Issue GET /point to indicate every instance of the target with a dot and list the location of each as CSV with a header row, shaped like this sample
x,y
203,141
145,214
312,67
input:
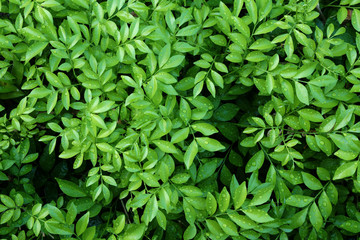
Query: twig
x,y
321,13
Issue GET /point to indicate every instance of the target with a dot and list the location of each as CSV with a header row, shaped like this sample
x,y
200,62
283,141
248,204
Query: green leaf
x,y
215,228
109,180
82,3
35,49
180,135
306,70
351,226
82,224
69,153
188,30
217,78
190,213
299,201
311,182
105,147
266,27
174,61
323,81
70,188
315,217
302,93
190,232
227,226
209,144
221,67
289,46
40,92
52,101
343,119
134,231
255,162
119,224
71,214
224,200
345,170
6,216
252,10
287,90
211,204
53,80
151,210
98,121
256,56
327,124
7,201
161,219
258,215
240,195
185,111
204,128
341,14
241,26
325,205
311,115
270,82
103,107
219,40
355,19
191,191
190,154
243,221
5,43
324,144
165,146
262,194
57,228
226,112
206,170
56,213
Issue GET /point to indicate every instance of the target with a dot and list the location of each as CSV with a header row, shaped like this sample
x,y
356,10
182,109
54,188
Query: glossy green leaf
x,y
70,188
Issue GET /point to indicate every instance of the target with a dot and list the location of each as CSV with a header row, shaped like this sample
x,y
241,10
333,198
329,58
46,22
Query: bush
x,y
179,119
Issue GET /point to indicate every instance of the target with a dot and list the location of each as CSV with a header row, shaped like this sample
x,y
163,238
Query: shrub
x,y
179,119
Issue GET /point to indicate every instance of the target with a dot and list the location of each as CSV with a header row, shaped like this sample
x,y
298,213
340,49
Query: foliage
x,y
179,119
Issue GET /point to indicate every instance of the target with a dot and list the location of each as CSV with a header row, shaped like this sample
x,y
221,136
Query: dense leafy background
x,y
179,119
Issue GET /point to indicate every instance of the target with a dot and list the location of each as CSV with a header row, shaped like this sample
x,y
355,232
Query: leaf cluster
x,y
182,119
